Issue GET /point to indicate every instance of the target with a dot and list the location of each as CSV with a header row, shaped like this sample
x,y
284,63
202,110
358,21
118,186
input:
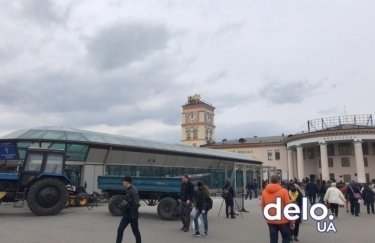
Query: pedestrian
x,y
249,190
228,194
185,202
354,195
255,188
203,203
334,197
322,191
369,198
129,206
311,190
269,195
295,196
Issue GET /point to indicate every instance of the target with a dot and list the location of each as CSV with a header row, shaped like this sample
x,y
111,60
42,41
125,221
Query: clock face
x,y
192,116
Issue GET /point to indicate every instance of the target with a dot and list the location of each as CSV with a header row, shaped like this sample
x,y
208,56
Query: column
x,y
300,165
295,169
324,161
290,165
360,164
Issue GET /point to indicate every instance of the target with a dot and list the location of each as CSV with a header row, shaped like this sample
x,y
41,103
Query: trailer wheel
x,y
47,197
113,205
166,208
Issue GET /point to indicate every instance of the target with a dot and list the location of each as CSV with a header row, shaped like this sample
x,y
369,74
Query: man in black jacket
x,y
185,201
311,190
228,194
354,194
130,206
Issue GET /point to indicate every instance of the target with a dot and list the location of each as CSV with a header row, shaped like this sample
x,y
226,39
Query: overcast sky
x,y
126,67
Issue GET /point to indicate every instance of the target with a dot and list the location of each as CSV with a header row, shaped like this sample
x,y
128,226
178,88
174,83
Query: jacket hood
x,y
272,188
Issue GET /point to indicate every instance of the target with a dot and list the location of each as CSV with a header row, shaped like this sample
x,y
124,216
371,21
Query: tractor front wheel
x,y
47,197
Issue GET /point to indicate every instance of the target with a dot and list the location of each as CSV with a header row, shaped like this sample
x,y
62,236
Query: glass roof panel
x,y
63,134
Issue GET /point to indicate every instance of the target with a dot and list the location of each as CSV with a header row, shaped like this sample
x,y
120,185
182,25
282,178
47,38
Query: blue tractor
x,y
40,182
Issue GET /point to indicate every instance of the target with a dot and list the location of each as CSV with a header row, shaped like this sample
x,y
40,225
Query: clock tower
x,y
198,126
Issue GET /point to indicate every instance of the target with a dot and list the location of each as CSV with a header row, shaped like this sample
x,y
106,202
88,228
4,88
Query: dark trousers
x,y
295,232
312,199
274,230
370,205
321,197
184,210
249,194
125,221
354,207
229,207
334,208
255,193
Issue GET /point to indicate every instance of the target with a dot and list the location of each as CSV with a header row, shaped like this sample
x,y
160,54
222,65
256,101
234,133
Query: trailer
x,y
162,192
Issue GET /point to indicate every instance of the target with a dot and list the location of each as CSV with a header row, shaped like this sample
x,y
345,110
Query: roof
x,y
52,133
252,140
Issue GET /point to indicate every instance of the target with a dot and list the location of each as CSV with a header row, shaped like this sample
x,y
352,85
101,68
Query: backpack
x,y
210,203
225,193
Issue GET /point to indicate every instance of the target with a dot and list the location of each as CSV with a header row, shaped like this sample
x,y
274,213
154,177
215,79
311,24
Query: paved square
x,y
83,226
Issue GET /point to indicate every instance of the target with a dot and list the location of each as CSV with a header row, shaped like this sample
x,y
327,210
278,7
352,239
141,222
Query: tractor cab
x,y
42,162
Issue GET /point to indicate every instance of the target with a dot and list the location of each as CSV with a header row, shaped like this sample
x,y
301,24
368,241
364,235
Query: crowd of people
x,y
333,195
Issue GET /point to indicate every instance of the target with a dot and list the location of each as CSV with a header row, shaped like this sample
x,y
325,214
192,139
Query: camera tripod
x,y
235,203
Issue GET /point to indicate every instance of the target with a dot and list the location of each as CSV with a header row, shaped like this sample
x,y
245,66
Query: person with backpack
x,y
295,196
228,194
129,206
369,198
203,203
185,202
354,195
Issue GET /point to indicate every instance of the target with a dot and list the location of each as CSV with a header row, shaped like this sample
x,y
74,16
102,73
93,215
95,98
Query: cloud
x,y
46,11
290,92
123,43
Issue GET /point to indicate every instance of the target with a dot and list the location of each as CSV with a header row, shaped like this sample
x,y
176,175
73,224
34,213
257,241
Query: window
x,y
269,154
195,133
365,160
330,162
332,176
188,134
76,152
331,150
34,162
319,163
309,153
277,154
365,148
54,164
345,162
345,148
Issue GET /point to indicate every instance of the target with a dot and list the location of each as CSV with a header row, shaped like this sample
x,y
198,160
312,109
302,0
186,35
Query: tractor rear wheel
x,y
113,205
47,197
167,208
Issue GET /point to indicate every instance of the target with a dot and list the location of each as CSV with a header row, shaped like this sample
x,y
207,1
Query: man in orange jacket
x,y
269,195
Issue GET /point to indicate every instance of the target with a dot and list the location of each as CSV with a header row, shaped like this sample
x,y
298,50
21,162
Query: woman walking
x,y
334,198
202,205
296,197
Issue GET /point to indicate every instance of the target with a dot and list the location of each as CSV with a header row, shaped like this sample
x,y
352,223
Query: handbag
x,y
356,194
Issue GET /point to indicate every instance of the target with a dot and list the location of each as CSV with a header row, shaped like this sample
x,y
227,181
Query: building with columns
x,y
340,148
